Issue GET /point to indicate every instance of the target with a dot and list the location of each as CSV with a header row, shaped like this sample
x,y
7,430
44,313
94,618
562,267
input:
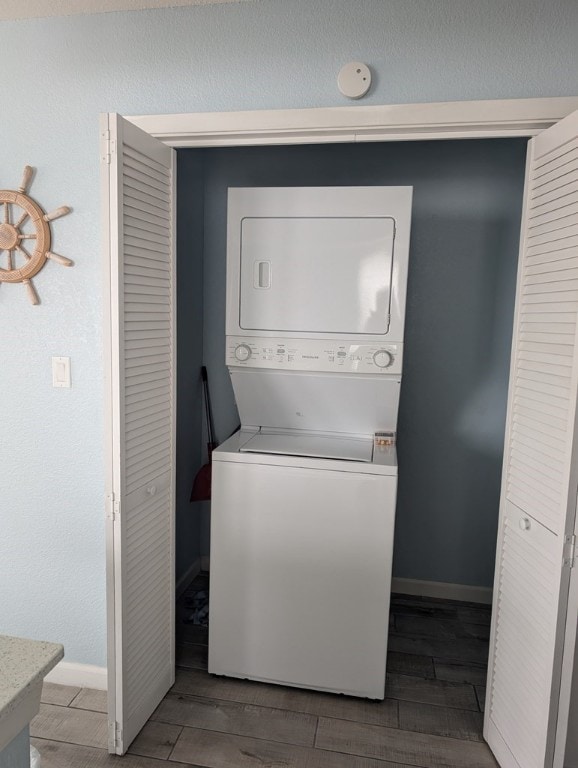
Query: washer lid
x,y
315,446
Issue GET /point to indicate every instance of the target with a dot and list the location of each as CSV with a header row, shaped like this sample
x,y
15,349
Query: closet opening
x,y
449,427
465,230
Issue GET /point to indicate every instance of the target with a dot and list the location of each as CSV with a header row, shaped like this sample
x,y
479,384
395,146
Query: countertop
x,y
23,666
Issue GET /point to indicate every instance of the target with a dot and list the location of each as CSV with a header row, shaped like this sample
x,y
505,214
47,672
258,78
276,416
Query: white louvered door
x,y
138,176
539,482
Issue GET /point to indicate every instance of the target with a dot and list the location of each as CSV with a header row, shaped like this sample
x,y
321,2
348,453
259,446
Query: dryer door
x,y
316,275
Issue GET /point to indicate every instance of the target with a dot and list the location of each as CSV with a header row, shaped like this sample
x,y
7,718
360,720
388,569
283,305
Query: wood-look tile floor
x,y
431,718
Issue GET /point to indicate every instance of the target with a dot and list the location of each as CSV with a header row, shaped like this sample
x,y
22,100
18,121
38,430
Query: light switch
x,y
61,372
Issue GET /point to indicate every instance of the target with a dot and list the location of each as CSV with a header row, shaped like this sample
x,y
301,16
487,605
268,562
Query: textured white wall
x,y
57,75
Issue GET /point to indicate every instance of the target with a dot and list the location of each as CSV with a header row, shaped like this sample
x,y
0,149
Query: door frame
x,y
500,118
503,118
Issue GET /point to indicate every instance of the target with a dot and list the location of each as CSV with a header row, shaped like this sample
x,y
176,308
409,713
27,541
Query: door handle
x,y
262,274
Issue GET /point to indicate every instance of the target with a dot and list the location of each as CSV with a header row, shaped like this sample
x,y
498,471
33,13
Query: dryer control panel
x,y
313,355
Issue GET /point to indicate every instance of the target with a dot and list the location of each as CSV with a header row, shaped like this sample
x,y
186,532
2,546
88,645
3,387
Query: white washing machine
x,y
303,507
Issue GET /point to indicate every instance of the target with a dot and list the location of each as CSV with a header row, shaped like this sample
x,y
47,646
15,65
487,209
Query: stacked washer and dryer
x,y
304,495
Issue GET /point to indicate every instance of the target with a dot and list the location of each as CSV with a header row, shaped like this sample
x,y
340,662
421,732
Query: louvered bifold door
x,y
538,498
141,416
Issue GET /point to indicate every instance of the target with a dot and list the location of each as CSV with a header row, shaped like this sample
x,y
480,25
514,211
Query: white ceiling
x,y
26,9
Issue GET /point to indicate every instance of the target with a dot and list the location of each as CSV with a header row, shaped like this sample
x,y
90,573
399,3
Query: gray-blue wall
x,y
190,228
465,232
16,754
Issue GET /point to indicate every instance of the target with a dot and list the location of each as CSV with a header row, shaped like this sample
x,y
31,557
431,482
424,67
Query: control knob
x,y
382,358
243,352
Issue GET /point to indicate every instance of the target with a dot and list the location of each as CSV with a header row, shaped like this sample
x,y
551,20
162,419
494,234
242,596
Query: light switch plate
x,y
61,372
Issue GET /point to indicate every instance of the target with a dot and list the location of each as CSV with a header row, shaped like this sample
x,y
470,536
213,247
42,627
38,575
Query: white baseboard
x,y
205,563
188,576
90,676
80,675
442,589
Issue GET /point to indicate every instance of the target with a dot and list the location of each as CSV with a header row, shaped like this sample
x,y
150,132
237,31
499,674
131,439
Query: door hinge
x,y
114,734
569,551
107,147
112,507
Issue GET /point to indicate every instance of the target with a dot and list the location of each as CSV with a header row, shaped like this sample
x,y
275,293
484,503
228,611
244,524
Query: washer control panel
x,y
313,355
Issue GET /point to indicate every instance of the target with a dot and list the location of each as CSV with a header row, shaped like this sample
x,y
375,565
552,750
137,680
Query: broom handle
x,y
208,411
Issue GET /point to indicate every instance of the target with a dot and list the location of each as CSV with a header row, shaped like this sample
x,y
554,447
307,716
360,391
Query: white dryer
x,y
303,507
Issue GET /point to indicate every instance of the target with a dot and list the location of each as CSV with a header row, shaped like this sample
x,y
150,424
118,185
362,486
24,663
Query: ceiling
x,y
27,9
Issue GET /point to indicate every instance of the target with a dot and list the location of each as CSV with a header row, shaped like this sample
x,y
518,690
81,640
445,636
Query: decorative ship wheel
x,y
23,219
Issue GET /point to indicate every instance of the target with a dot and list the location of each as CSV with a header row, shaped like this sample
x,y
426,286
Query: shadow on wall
x,y
453,399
